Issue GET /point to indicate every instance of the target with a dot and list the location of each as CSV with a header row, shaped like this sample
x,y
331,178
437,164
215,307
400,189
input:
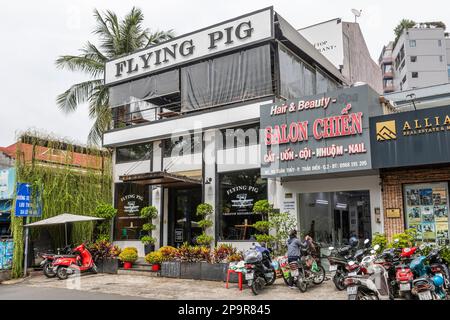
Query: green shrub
x,y
262,226
405,239
380,239
204,210
148,240
154,257
148,213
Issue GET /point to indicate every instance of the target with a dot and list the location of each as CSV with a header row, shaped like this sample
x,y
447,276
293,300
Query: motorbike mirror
x,y
350,263
331,248
422,246
376,247
366,241
372,251
396,240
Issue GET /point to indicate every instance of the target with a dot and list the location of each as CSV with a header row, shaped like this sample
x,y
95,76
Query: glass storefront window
x,y
426,210
240,136
238,192
334,217
137,152
130,198
182,145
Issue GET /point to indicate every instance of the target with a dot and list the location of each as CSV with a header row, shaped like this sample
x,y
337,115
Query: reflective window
x,y
137,152
240,136
182,145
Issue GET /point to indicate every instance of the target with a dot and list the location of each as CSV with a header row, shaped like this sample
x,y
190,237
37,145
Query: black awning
x,y
162,178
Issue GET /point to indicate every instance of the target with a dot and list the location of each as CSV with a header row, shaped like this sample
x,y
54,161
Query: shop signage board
x,y
24,204
7,179
411,138
244,30
326,133
393,213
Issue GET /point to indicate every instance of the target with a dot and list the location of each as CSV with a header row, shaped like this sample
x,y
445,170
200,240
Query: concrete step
x,y
137,272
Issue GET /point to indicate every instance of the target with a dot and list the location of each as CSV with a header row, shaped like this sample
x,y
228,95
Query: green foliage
x,y
193,253
265,238
445,254
403,24
168,252
262,226
65,188
148,213
204,239
154,257
147,240
128,254
103,228
405,239
263,207
380,239
281,224
204,210
117,37
103,249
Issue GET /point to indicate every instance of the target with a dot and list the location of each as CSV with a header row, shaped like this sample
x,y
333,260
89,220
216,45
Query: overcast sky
x,y
34,33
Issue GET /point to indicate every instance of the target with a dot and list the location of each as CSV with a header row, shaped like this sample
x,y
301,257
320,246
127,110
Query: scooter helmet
x,y
353,242
438,280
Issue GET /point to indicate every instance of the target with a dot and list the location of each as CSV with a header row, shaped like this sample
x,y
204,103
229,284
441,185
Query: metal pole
x,y
25,263
65,231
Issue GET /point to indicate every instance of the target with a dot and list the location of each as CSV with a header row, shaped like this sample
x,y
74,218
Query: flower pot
x,y
190,270
127,265
155,267
108,265
171,269
213,271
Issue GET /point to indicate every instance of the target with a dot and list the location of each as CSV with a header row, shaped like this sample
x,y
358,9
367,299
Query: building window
x,y
439,43
426,210
413,58
412,43
137,152
415,74
240,136
182,145
130,198
238,192
441,59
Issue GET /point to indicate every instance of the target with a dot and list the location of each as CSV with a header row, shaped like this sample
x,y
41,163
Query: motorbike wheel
x,y
362,296
338,281
48,270
302,285
274,277
319,276
61,272
289,282
257,285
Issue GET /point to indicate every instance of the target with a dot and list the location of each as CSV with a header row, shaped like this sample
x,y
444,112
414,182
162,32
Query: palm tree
x,y
116,38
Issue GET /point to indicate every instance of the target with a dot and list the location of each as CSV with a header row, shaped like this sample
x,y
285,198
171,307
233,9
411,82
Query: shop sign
x,y
240,200
179,235
244,30
393,213
24,202
325,133
7,178
132,204
411,138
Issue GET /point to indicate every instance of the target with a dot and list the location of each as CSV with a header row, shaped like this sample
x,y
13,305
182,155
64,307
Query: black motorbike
x,y
259,269
48,258
438,267
309,268
339,259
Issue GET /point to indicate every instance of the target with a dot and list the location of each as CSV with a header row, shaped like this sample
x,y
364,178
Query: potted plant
x,y
204,210
105,256
154,258
103,228
128,256
148,214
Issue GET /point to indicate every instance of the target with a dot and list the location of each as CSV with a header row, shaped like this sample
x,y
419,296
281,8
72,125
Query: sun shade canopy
x,y
162,178
62,219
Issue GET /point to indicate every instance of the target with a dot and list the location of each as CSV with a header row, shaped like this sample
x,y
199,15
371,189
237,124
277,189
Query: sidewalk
x,y
175,289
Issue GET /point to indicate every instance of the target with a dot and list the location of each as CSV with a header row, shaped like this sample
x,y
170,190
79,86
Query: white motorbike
x,y
372,286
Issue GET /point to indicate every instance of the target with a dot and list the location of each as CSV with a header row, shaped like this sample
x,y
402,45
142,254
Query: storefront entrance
x,y
183,225
334,217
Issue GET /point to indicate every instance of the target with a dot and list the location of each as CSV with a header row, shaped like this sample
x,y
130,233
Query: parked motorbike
x,y
426,286
48,259
308,269
345,260
438,267
372,286
403,274
259,269
77,263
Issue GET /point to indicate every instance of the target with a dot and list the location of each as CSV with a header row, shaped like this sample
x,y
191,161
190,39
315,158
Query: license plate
x,y
333,268
294,273
352,290
352,274
405,287
425,295
249,276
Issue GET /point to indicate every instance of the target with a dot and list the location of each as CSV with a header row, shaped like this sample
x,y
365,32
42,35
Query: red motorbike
x,y
403,274
77,263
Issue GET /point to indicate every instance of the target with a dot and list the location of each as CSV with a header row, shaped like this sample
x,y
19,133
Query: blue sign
x,y
24,206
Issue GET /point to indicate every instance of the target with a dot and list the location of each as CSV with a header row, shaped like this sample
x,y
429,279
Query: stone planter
x,y
107,265
214,271
170,269
191,270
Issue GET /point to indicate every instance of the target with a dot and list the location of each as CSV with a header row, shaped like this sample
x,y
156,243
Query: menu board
x,y
427,211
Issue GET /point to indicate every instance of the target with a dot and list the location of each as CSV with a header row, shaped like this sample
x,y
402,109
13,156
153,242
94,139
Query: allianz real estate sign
x,y
326,133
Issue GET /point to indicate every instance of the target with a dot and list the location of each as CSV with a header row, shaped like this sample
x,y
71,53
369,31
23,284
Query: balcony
x,y
388,74
387,60
389,88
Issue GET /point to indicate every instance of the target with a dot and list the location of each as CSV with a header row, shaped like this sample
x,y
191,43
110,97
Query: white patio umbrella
x,y
64,218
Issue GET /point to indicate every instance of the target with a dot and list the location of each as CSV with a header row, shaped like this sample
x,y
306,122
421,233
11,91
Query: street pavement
x,y
105,286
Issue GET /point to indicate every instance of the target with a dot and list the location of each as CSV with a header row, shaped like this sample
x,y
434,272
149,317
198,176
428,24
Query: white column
x,y
209,174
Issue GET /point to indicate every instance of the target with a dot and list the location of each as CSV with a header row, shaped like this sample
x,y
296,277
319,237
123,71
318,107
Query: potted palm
x,y
148,213
128,256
